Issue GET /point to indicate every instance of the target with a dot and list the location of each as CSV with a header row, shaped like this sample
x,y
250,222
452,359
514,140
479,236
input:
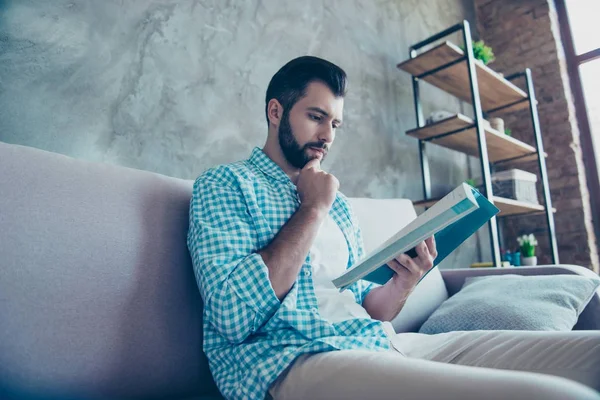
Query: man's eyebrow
x,y
325,113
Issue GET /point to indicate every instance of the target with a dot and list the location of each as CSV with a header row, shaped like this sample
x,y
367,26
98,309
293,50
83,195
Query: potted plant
x,y
481,52
527,244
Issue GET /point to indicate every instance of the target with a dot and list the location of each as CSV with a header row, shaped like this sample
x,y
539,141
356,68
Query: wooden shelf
x,y
507,207
514,207
494,90
500,147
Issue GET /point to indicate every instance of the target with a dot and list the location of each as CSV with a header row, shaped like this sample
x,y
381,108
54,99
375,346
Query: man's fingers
x,y
422,250
424,261
408,263
430,242
396,266
314,163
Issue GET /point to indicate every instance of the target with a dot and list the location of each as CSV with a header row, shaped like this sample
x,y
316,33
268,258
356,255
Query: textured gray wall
x,y
178,86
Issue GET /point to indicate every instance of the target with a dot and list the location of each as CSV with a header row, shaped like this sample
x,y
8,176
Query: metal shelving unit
x,y
447,67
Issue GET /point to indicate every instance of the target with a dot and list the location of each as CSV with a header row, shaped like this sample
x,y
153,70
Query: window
x,y
580,35
583,21
589,73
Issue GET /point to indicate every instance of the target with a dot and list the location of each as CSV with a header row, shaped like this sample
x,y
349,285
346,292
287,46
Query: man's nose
x,y
326,134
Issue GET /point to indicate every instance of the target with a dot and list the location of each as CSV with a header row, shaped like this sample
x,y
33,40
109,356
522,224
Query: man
x,y
266,237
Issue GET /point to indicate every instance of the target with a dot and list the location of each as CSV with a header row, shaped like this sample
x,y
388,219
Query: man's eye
x,y
314,117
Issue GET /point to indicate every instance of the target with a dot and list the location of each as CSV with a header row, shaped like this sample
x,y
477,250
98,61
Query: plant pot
x,y
530,261
497,124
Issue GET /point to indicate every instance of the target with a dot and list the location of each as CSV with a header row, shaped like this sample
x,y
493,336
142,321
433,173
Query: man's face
x,y
307,130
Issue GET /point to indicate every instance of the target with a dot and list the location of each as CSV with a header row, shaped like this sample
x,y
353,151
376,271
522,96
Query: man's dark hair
x,y
289,84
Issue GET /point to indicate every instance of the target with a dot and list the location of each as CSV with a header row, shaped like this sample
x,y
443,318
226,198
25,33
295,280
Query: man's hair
x,y
289,84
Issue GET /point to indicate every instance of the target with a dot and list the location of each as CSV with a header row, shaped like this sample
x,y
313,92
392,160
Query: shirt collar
x,y
267,166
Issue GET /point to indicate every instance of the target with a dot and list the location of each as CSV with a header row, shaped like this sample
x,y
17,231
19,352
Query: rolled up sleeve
x,y
233,279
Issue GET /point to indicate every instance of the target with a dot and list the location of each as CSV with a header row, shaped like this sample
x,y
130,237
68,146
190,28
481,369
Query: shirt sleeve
x,y
233,279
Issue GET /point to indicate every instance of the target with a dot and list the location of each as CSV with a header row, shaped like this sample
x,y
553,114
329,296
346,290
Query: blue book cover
x,y
451,220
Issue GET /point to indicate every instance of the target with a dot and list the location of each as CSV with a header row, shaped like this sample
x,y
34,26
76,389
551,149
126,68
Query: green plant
x,y
527,244
481,51
508,132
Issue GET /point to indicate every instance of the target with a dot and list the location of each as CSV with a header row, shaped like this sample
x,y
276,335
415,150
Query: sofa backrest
x,y
97,293
379,219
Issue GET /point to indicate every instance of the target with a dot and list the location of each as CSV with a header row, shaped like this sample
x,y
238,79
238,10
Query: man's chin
x,y
307,156
310,155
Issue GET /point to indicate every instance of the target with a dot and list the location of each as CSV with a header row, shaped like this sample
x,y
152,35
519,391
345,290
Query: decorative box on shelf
x,y
514,184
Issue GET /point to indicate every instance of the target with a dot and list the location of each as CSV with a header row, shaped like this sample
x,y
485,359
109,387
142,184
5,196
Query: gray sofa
x,y
97,295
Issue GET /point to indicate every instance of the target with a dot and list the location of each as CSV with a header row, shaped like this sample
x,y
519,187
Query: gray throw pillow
x,y
514,302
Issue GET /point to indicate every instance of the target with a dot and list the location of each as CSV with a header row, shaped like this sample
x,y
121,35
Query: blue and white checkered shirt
x,y
250,336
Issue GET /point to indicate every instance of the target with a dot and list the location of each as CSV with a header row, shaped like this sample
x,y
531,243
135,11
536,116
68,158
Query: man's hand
x,y
410,270
385,302
316,188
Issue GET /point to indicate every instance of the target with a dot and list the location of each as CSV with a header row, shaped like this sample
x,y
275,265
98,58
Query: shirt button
x,y
314,310
307,272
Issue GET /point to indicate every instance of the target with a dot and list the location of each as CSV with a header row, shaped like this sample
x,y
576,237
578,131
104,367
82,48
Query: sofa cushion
x,y
379,219
514,302
97,293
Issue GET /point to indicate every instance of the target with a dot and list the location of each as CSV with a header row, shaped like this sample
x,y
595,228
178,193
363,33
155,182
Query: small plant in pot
x,y
527,244
481,52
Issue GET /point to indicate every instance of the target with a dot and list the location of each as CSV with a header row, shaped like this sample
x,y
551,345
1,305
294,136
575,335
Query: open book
x,y
451,220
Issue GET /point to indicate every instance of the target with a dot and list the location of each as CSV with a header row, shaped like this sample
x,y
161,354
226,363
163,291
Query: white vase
x,y
530,261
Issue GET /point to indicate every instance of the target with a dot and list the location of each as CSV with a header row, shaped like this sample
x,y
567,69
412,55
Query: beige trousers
x,y
491,365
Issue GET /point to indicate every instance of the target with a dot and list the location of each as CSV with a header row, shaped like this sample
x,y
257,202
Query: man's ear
x,y
274,112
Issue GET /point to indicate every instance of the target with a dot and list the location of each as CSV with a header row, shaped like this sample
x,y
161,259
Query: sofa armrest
x,y
455,278
590,316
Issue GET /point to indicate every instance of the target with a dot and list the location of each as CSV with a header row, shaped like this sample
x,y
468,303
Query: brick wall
x,y
525,34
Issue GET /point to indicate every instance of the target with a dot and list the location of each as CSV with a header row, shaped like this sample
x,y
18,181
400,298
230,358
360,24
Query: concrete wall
x,y
178,86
